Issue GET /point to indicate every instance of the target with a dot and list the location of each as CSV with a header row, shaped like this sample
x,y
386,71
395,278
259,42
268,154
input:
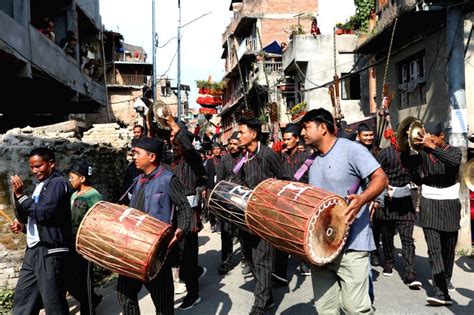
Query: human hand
x,y
355,203
424,138
374,205
17,185
16,227
178,235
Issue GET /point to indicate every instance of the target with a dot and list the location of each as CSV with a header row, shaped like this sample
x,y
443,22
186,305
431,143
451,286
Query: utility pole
x,y
179,60
458,111
153,47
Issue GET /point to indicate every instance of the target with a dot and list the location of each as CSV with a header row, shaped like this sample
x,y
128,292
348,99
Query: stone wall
x,y
109,163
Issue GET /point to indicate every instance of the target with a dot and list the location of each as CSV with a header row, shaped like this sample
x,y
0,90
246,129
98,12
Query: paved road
x,y
232,294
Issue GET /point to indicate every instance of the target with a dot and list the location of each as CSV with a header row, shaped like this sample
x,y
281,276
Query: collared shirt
x,y
437,168
226,167
261,164
336,171
292,163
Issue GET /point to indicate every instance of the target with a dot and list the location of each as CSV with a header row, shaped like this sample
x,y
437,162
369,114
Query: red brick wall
x,y
280,30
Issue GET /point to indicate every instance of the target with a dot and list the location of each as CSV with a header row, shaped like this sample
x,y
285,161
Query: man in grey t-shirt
x,y
343,283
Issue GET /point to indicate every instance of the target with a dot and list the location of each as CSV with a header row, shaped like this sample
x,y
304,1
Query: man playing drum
x,y
343,283
292,159
258,164
155,193
224,172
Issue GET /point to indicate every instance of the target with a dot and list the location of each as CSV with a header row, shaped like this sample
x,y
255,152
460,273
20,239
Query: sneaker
x,y
304,269
189,302
179,287
213,228
201,272
246,270
451,287
374,258
279,279
225,267
388,270
438,300
414,285
235,240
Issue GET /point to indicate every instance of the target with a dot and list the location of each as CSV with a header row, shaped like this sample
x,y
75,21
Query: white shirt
x,y
32,236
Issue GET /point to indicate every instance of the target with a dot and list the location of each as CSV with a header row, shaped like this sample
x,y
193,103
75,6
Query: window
x,y
166,89
350,87
412,83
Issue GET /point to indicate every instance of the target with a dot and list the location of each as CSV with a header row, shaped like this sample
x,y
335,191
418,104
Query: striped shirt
x,y
438,168
226,166
262,164
398,176
292,163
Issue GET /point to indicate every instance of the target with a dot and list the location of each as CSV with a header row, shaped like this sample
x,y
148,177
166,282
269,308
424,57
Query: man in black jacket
x,y
46,217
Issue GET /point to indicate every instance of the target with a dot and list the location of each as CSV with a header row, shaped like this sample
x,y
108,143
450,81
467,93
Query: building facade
x,y
52,52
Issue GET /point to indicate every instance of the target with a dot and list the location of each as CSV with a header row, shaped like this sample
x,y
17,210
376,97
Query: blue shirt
x,y
344,164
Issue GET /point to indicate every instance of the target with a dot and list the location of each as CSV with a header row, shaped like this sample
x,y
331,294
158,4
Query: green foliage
x,y
214,86
298,108
6,301
296,29
363,10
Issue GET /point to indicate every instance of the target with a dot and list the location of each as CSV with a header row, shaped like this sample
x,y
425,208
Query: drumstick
x,y
9,219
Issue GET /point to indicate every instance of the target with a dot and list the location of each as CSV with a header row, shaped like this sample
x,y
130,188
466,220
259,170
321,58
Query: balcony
x,y
128,80
248,46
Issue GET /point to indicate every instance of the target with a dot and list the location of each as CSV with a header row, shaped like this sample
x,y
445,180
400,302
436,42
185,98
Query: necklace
x,y
253,155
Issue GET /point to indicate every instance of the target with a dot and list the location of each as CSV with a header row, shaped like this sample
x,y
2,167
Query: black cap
x,y
434,128
82,168
235,136
151,145
216,144
134,142
364,127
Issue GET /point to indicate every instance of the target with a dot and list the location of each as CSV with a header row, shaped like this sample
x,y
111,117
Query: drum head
x,y
327,231
159,255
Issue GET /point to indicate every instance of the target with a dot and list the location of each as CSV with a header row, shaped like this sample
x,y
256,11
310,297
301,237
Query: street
x,y
232,294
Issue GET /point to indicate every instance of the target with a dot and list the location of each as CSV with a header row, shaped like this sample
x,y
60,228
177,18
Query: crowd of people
x,y
171,180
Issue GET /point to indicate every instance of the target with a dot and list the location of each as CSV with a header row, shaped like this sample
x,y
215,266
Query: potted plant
x,y
298,110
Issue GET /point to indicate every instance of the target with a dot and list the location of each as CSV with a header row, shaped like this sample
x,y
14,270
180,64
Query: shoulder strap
x,y
305,166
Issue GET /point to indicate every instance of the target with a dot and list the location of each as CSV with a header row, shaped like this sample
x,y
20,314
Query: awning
x,y
273,48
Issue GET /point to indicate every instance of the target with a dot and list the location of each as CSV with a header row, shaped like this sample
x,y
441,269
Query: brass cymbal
x,y
402,133
415,127
468,174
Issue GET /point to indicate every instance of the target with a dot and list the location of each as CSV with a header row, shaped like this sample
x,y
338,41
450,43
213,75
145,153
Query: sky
x,y
201,41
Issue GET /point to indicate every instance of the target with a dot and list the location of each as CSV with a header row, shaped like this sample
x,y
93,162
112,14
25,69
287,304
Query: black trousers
x,y
405,230
376,225
281,263
441,251
188,267
161,291
261,263
226,241
42,282
77,281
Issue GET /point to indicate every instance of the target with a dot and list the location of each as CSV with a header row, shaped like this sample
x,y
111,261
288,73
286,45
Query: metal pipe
x,y
179,60
153,47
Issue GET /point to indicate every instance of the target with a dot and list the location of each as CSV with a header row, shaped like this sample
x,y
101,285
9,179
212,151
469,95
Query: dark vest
x,y
157,194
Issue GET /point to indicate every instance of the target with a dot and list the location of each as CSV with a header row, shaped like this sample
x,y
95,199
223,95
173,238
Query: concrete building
x,y
252,53
430,71
309,63
52,74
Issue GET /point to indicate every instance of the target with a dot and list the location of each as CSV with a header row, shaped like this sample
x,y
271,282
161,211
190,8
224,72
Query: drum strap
x,y
304,168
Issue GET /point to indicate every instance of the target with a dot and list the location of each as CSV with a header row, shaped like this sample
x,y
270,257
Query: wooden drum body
x,y
124,240
298,219
228,201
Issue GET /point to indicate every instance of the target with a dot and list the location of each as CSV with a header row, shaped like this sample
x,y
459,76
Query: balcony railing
x,y
128,79
248,45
